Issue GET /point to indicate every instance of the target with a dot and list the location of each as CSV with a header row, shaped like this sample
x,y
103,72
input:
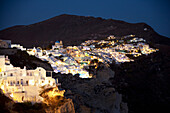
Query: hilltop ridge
x,y
74,29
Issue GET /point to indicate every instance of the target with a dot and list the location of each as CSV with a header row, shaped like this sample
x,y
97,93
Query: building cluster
x,y
61,59
25,85
113,49
22,84
77,59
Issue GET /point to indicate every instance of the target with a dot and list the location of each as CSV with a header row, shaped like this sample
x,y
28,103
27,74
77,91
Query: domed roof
x,y
57,41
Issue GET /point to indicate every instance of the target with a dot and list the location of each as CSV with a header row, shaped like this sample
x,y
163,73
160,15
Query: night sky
x,y
155,13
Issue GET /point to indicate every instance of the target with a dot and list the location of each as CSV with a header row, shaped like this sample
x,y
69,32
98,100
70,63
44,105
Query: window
x,y
11,74
11,83
22,81
17,82
22,98
27,82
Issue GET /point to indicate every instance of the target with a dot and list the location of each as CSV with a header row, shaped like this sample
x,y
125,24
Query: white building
x,y
38,52
111,37
18,46
58,45
21,84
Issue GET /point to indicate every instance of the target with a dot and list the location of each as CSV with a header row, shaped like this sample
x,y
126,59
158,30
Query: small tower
x,y
61,43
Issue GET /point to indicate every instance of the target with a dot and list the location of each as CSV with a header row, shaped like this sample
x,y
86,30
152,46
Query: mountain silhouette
x,y
72,30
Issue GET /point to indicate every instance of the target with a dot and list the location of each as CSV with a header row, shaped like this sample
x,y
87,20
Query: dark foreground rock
x,y
93,95
56,104
145,83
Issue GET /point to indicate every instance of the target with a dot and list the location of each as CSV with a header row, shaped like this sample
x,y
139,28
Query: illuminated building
x,y
22,84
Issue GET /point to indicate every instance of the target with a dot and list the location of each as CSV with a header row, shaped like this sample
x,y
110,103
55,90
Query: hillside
x,y
142,86
74,29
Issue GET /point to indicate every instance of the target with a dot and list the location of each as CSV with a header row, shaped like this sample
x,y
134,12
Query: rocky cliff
x,y
94,95
56,104
144,83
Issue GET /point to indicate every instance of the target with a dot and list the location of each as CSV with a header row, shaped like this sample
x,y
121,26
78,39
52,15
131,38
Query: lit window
x,y
27,82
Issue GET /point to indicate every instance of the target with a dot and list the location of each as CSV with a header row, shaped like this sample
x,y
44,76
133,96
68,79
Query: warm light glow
x,y
55,92
31,82
12,95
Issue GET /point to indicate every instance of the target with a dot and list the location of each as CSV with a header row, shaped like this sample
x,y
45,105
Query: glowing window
x,y
27,82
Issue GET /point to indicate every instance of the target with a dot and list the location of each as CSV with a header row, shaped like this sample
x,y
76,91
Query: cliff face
x,y
67,107
74,29
144,83
55,104
94,95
